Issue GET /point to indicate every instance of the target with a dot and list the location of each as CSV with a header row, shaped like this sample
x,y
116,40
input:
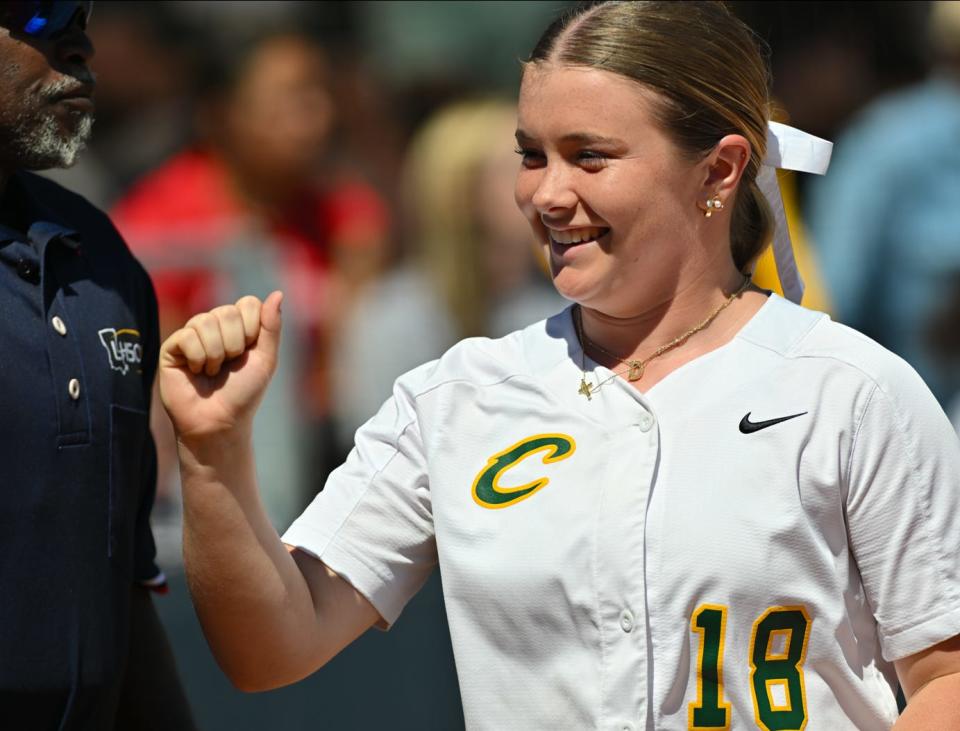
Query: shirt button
x,y
626,620
627,727
73,388
645,422
28,271
59,325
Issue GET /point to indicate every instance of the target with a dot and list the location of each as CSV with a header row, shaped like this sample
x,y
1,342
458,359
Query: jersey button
x,y
626,620
59,325
73,388
645,422
627,727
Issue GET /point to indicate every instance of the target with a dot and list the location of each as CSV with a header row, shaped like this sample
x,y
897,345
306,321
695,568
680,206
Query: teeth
x,y
576,236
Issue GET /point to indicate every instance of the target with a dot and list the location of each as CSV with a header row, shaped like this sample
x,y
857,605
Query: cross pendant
x,y
636,370
585,388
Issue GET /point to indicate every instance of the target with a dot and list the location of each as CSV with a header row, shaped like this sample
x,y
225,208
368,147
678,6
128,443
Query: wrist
x,y
213,450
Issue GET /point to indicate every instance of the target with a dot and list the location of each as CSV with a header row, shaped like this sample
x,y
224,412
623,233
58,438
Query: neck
x,y
638,335
261,196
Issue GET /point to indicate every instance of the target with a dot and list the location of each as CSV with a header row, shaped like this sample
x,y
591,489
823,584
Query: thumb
x,y
270,325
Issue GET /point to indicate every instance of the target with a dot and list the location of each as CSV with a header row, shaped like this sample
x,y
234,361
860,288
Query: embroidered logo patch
x,y
123,348
487,490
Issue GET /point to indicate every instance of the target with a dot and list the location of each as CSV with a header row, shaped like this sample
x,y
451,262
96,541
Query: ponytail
x,y
751,227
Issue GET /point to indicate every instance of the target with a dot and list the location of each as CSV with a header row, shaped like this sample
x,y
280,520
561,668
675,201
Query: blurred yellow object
x,y
815,294
943,27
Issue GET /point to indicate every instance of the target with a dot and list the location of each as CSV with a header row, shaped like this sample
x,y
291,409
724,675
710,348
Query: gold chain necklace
x,y
636,368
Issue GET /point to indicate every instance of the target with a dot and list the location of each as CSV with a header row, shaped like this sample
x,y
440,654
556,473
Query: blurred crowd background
x,y
359,155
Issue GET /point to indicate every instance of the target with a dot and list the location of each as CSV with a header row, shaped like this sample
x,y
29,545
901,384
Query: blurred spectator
x,y
472,266
254,206
886,219
405,39
944,339
829,62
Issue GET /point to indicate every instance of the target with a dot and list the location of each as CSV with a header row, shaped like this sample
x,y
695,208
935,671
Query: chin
x,y
53,144
571,286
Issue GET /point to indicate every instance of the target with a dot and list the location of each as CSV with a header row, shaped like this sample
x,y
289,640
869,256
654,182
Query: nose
x,y
74,47
554,190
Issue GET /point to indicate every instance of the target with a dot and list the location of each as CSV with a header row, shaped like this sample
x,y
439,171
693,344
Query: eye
x,y
530,158
592,160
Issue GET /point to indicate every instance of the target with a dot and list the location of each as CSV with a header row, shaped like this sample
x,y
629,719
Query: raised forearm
x,y
252,601
269,619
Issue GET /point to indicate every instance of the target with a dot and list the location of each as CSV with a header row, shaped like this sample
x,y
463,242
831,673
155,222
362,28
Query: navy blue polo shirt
x,y
78,354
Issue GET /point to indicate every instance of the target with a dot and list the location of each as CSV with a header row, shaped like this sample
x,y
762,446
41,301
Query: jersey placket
x,y
621,535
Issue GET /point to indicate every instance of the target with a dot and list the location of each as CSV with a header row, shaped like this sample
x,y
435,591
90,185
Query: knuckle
x,y
201,321
188,339
234,345
226,312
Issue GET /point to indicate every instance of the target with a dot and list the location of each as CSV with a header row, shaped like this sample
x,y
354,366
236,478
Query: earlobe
x,y
713,204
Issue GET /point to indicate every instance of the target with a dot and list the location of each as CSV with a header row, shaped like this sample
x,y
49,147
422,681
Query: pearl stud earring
x,y
712,204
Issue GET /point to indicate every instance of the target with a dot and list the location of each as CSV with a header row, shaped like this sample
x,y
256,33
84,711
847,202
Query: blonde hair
x,y
440,178
707,71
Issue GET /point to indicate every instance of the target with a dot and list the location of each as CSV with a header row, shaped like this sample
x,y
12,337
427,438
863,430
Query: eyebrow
x,y
580,137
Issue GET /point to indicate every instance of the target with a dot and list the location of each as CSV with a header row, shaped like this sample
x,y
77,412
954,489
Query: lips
x,y
566,246
79,98
79,86
572,236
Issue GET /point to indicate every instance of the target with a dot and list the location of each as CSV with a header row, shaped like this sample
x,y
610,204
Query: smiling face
x,y
607,193
46,109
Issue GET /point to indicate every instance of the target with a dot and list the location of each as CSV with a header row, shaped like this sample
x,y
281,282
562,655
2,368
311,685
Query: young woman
x,y
680,503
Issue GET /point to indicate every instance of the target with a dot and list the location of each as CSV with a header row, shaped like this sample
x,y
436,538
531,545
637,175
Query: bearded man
x,y
81,646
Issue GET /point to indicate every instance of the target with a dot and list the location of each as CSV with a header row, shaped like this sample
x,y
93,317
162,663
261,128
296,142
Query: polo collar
x,y
47,225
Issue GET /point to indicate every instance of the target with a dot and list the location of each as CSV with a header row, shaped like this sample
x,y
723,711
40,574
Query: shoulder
x,y
189,191
64,206
184,175
841,346
69,210
103,247
887,130
837,357
488,362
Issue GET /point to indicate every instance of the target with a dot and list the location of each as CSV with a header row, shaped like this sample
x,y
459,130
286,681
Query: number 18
x,y
776,675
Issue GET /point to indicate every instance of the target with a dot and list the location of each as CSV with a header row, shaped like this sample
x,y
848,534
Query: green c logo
x,y
487,491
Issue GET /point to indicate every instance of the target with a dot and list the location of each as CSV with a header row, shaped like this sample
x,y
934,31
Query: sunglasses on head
x,y
42,18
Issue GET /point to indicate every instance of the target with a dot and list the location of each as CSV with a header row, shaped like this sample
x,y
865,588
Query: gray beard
x,y
37,140
41,144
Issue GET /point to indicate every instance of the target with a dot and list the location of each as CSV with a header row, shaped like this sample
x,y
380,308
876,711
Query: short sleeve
x,y
373,523
903,517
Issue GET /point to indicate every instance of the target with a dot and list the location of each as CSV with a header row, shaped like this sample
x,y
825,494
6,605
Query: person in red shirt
x,y
256,202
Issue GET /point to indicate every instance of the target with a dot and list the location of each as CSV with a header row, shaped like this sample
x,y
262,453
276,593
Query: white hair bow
x,y
789,149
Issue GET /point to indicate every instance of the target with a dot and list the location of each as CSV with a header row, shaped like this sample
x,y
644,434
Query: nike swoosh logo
x,y
749,427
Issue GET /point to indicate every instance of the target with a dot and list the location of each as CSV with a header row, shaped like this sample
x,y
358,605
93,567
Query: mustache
x,y
80,81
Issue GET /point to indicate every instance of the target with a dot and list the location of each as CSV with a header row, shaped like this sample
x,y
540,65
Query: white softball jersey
x,y
750,543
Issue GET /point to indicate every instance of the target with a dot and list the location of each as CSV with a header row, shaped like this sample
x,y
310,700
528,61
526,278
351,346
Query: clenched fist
x,y
215,369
